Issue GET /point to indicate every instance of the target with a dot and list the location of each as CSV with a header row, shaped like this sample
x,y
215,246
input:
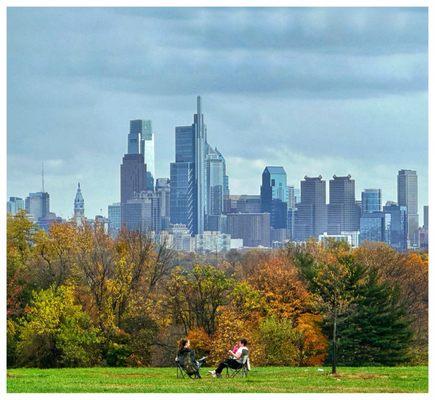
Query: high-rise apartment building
x,y
311,214
343,213
141,141
407,196
371,200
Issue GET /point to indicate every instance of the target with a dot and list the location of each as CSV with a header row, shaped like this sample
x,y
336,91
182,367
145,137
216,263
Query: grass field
x,y
266,379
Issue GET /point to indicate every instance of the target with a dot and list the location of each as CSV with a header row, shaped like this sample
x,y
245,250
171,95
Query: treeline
x,y
76,297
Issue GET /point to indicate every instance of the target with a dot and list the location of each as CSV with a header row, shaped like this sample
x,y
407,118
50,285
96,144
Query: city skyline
x,y
364,111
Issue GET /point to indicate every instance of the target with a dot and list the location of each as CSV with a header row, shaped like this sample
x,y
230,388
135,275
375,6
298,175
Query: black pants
x,y
229,362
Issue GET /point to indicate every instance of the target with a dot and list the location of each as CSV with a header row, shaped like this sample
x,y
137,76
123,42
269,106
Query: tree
x,y
55,332
377,331
334,283
194,296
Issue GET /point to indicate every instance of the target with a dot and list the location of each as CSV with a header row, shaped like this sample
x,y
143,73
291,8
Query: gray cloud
x,y
290,84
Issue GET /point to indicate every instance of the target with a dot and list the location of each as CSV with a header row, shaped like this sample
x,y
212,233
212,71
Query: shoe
x,y
213,373
218,375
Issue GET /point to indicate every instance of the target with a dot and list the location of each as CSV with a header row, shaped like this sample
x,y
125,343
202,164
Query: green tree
x,y
377,331
333,280
55,332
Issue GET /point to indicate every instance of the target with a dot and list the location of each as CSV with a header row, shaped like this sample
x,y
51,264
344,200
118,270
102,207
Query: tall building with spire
x,y
79,207
188,174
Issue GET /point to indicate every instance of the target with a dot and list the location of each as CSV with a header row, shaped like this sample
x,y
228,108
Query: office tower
x,y
426,217
311,215
216,223
371,200
254,229
248,203
14,205
230,203
297,195
291,197
274,195
343,213
79,207
133,179
215,181
188,174
163,190
291,213
372,227
38,205
141,141
142,213
396,229
407,196
114,214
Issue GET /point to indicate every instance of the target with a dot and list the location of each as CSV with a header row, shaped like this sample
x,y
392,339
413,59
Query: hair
x,y
182,343
244,341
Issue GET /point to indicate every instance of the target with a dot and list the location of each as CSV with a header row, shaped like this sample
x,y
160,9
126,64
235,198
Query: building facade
x,y
311,214
114,216
38,205
79,207
254,229
371,200
407,196
14,205
343,213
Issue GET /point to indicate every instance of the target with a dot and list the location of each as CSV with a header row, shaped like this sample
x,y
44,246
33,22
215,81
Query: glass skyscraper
x,y
188,174
274,195
371,200
14,205
372,227
396,230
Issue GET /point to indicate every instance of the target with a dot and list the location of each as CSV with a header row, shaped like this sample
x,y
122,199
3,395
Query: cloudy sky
x,y
318,91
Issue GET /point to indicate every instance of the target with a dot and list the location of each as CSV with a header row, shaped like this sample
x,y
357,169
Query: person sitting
x,y
186,358
234,361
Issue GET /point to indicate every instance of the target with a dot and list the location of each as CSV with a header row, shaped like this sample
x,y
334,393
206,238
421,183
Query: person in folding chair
x,y
237,362
185,361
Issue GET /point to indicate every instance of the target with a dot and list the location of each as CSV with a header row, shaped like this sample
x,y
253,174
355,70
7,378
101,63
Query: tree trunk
x,y
334,343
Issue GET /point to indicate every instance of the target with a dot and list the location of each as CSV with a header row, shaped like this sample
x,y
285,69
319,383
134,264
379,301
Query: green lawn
x,y
266,379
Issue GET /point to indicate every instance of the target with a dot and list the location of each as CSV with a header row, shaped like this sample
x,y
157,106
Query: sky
x,y
320,91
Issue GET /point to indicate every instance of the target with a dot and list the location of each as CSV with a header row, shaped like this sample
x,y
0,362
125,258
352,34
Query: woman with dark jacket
x,y
186,358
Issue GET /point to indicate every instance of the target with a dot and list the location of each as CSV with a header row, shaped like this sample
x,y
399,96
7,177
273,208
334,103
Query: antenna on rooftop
x,y
42,175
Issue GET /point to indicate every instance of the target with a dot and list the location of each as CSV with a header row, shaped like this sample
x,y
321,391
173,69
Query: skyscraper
x,y
133,179
79,207
141,141
396,229
371,200
274,195
114,215
311,215
215,181
407,196
343,213
254,229
14,205
188,174
372,227
38,205
163,191
426,217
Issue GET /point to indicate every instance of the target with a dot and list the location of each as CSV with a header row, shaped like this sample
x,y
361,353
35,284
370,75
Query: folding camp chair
x,y
244,366
188,366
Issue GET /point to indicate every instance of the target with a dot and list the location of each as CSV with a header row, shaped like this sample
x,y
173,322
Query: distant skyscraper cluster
x,y
193,210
